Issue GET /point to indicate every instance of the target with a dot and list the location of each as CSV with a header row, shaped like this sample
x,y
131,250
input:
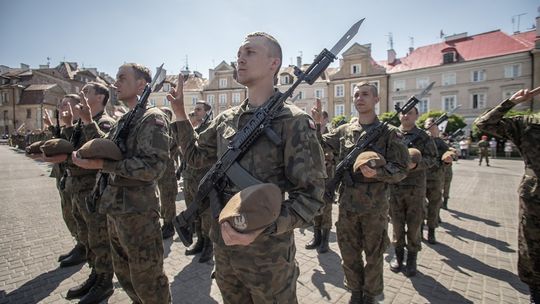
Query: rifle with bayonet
x,y
437,122
120,137
216,179
57,127
363,143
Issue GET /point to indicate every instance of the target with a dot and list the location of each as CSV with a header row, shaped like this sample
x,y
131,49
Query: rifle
x,y
57,128
120,137
437,122
365,141
216,179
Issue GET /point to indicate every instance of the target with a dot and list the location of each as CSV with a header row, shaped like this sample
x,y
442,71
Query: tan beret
x,y
34,148
372,159
415,154
56,146
101,148
253,208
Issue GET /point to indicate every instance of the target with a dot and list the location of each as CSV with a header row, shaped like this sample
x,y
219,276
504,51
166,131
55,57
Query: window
x,y
166,102
398,103
211,99
285,79
28,113
399,85
422,82
319,93
339,109
152,102
236,98
423,106
449,102
222,99
222,83
194,100
508,93
166,87
353,109
512,71
356,69
448,79
300,94
449,57
339,90
478,100
478,75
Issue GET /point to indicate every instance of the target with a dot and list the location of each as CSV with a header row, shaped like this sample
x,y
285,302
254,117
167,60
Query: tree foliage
x,y
455,121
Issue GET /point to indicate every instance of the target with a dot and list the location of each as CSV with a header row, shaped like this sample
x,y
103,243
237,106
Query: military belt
x,y
119,181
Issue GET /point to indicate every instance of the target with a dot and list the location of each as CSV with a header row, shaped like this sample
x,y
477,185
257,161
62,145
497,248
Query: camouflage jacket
x,y
132,185
524,132
196,174
368,195
297,166
437,171
426,145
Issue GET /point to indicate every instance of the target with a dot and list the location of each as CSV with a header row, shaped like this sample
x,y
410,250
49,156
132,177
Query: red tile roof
x,y
485,45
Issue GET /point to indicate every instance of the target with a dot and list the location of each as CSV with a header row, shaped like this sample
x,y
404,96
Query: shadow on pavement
x,y
435,292
458,233
459,215
332,272
193,283
39,287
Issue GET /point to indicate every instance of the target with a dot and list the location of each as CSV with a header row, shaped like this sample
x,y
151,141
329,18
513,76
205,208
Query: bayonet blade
x,y
158,78
346,38
425,91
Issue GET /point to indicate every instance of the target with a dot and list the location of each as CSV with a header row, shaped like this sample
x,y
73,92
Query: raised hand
x,y
316,111
85,110
47,119
524,95
67,116
176,98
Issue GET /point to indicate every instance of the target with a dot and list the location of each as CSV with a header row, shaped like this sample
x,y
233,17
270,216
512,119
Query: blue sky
x,y
106,33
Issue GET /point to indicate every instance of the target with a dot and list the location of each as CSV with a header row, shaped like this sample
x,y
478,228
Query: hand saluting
x,y
176,98
316,112
47,119
86,111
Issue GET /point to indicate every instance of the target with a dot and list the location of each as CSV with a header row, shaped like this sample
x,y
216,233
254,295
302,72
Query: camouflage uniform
x,y
168,186
79,182
363,207
324,220
131,202
407,197
447,180
434,184
524,132
264,271
483,151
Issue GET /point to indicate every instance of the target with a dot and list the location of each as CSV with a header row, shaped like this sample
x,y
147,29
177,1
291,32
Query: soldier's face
x,y
408,119
254,62
127,86
93,98
199,111
365,100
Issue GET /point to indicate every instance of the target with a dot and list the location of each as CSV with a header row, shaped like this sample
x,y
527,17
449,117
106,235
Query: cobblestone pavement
x,y
474,262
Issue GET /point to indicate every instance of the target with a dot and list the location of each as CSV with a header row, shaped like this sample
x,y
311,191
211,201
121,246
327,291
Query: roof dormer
x,y
450,55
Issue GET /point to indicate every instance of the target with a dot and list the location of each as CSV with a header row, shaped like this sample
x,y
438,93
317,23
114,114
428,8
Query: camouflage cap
x,y
415,154
34,148
56,146
253,208
372,159
101,148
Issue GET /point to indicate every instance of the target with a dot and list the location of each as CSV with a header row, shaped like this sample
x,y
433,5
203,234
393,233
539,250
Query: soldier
x,y
434,180
192,177
448,174
483,150
524,132
363,206
131,200
168,187
407,197
259,267
323,223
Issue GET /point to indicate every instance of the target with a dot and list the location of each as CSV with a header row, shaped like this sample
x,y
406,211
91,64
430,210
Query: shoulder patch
x,y
311,124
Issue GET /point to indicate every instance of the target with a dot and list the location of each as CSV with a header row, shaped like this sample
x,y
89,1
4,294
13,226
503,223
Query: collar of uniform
x,y
414,130
97,116
356,126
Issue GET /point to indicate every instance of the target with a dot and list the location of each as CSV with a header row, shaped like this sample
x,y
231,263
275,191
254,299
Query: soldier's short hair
x,y
75,97
371,86
324,114
274,48
100,89
141,72
207,107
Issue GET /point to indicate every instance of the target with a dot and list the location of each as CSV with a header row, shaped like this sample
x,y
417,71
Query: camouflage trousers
x,y
203,222
407,209
137,256
168,189
367,233
484,155
434,202
324,220
266,274
529,241
67,211
448,174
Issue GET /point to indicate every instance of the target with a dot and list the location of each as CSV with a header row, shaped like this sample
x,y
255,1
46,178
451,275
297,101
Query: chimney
x,y
299,61
411,49
391,56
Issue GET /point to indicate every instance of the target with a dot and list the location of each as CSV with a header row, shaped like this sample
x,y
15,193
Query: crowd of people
x,y
403,176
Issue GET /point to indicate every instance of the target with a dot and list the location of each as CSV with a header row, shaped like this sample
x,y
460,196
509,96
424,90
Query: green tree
x,y
386,116
455,121
339,120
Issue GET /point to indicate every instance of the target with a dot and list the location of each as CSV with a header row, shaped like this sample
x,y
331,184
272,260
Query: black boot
x,y
207,251
431,236
81,290
316,241
397,263
65,255
77,257
167,230
410,269
102,289
535,295
445,203
357,297
369,299
198,246
323,246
